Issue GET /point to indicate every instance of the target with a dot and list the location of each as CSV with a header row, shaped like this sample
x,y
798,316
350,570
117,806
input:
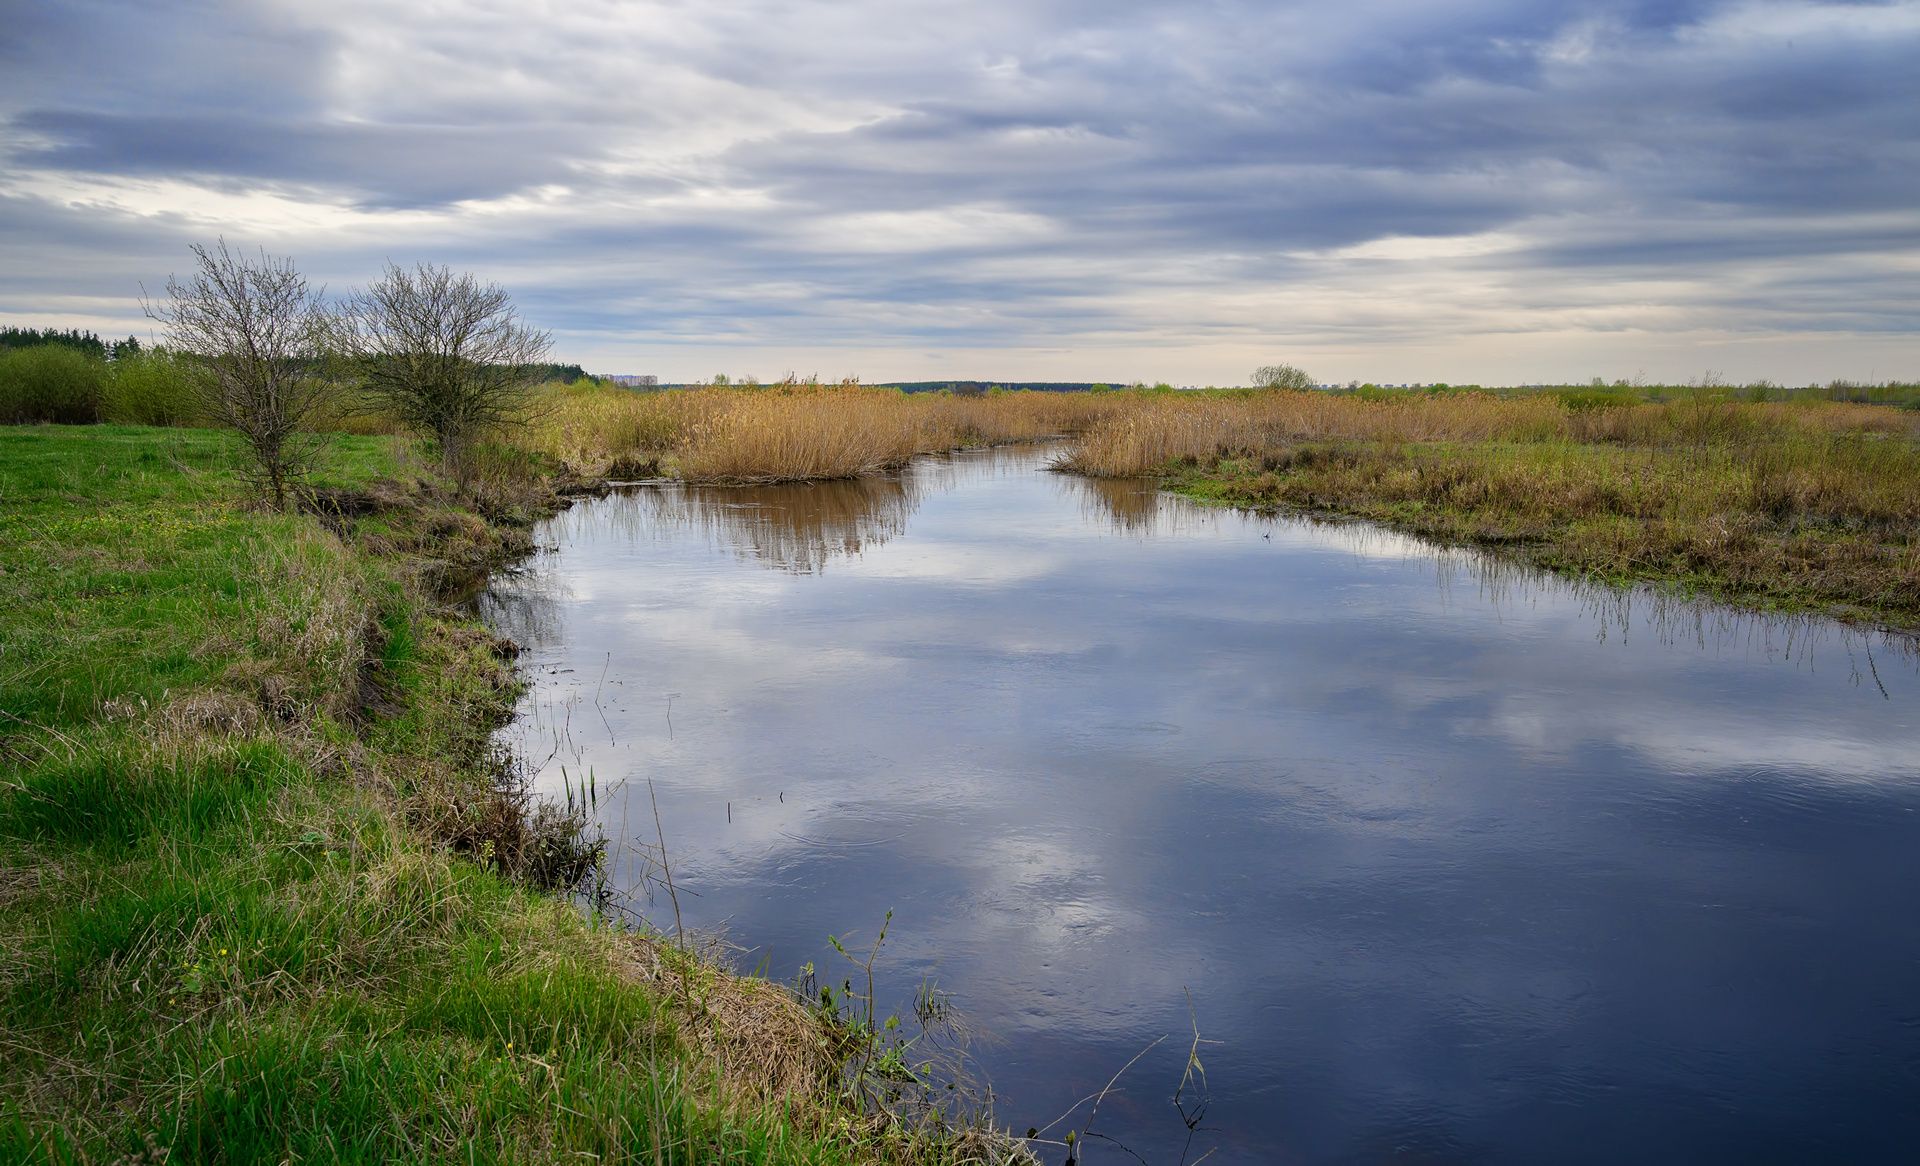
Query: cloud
x,y
1061,189
399,166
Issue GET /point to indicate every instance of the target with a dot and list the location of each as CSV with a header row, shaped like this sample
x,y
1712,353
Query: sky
x,y
1494,191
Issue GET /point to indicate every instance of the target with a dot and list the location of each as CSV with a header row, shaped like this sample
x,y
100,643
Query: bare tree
x,y
445,354
1282,376
252,335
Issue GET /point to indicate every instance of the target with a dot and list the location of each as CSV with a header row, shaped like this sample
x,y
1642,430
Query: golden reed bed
x,y
790,432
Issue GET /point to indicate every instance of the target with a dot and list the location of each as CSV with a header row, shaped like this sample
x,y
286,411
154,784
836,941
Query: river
x,y
1445,860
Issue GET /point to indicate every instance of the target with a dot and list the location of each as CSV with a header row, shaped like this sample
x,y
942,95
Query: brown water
x,y
1456,862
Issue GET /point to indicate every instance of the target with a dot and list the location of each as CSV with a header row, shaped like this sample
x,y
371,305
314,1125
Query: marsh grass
x,y
1783,505
794,431
802,434
264,895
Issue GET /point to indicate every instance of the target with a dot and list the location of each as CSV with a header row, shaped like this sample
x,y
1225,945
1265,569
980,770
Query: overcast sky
x,y
1394,190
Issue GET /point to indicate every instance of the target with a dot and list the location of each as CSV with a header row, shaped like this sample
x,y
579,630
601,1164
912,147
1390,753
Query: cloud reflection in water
x,y
1454,856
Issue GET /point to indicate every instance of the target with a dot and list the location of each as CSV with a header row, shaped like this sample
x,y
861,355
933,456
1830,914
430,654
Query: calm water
x,y
1456,862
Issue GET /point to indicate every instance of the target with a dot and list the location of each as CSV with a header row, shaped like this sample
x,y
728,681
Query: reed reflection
x,y
1136,506
1129,505
1669,618
798,528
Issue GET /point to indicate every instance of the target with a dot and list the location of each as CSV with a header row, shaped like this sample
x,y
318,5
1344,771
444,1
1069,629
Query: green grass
x,y
255,892
133,568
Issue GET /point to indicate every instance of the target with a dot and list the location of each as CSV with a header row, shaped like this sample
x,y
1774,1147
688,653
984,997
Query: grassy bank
x,y
1802,506
265,895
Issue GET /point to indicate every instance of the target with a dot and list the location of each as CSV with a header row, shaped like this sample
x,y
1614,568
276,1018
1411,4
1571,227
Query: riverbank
x,y
1805,508
266,893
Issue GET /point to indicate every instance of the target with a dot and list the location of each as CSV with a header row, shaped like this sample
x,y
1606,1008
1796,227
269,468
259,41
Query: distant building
x,y
635,381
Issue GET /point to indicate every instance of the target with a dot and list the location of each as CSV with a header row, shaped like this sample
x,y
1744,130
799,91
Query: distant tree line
x,y
566,374
89,343
86,342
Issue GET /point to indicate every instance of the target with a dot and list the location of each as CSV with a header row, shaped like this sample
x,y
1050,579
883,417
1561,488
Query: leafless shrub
x,y
252,332
444,354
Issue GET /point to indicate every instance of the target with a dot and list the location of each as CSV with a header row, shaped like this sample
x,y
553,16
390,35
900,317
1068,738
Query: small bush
x,y
1586,400
49,382
152,388
1282,376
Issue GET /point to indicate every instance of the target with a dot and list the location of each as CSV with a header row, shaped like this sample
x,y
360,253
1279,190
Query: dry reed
x,y
802,434
795,431
1151,432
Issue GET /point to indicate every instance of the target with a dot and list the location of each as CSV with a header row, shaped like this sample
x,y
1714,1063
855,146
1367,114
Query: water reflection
x,y
1455,858
528,607
1618,613
1132,505
1136,507
798,528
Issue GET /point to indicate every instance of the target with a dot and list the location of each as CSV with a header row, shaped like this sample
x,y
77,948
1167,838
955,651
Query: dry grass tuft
x,y
309,621
765,1044
212,711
